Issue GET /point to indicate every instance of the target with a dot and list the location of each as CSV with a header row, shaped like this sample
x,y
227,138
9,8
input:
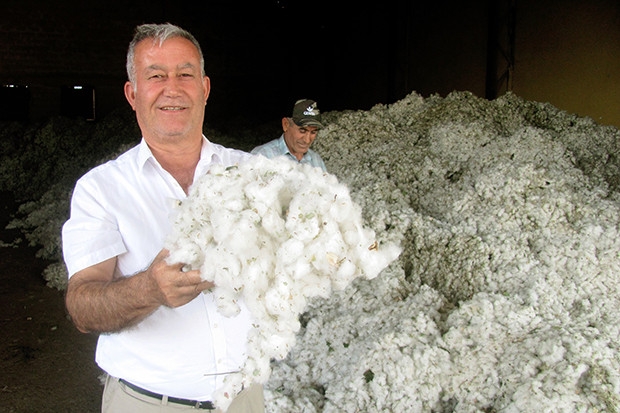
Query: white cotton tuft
x,y
377,261
226,301
273,223
290,251
273,234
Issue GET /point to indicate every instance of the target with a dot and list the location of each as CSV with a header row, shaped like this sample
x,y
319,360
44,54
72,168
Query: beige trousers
x,y
118,398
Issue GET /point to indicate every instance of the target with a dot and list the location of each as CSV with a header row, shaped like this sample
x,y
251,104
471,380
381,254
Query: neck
x,y
179,160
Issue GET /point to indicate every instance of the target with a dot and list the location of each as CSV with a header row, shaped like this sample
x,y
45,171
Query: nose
x,y
172,88
309,135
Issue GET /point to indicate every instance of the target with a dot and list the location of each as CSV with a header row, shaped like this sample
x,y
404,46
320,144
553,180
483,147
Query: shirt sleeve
x,y
91,234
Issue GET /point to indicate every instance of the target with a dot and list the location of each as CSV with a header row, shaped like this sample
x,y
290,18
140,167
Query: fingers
x,y
196,283
183,286
175,286
205,285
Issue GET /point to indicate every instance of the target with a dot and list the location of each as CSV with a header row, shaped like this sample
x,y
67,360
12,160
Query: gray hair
x,y
159,33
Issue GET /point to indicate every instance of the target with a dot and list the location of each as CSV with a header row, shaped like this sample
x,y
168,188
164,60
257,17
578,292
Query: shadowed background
x,y
262,55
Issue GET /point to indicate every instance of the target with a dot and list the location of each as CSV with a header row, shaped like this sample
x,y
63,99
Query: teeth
x,y
171,108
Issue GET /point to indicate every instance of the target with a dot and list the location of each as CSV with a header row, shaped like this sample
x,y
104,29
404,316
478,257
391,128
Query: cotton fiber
x,y
274,234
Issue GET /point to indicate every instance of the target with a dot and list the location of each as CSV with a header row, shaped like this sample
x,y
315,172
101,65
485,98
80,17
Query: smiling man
x,y
299,132
162,341
168,91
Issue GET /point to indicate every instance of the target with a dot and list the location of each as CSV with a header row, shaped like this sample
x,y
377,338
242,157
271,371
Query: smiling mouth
x,y
172,108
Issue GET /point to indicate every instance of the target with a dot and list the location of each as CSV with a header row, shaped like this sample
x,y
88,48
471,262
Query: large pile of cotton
x,y
273,234
506,294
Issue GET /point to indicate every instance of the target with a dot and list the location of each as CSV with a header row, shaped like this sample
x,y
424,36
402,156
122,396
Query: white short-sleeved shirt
x,y
123,208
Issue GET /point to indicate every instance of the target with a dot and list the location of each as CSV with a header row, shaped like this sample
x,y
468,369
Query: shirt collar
x,y
207,155
283,148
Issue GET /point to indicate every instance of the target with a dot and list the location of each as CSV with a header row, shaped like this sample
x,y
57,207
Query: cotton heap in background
x,y
273,233
505,296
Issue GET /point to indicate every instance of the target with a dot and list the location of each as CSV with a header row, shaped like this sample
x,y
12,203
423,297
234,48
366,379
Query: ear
x,y
130,94
206,84
285,124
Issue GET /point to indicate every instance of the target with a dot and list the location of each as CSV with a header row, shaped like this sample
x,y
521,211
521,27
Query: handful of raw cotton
x,y
273,233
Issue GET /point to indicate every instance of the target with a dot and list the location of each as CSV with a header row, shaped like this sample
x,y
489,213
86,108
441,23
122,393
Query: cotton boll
x,y
377,261
314,285
270,198
249,219
365,241
277,302
290,251
332,241
316,255
273,223
345,274
209,267
297,302
200,239
305,206
263,191
223,397
234,204
226,301
342,208
292,324
299,269
186,253
222,221
227,269
276,305
258,368
221,262
278,346
257,274
322,198
353,236
301,225
245,238
551,352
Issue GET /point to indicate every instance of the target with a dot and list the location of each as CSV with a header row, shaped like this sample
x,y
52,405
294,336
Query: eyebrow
x,y
187,65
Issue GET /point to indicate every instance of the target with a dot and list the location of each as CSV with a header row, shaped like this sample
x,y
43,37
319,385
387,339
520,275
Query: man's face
x,y
298,138
170,93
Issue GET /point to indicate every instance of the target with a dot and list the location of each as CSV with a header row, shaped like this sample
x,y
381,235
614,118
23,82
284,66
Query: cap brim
x,y
308,122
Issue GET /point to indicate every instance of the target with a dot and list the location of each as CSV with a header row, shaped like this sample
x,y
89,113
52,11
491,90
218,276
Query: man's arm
x,y
100,300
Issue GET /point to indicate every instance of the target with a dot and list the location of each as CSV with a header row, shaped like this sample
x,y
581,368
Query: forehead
x,y
176,50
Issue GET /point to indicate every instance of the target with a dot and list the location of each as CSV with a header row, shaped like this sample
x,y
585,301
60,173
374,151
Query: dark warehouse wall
x,y
263,55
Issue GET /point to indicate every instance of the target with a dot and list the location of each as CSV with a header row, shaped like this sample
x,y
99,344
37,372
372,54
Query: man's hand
x,y
175,286
101,300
